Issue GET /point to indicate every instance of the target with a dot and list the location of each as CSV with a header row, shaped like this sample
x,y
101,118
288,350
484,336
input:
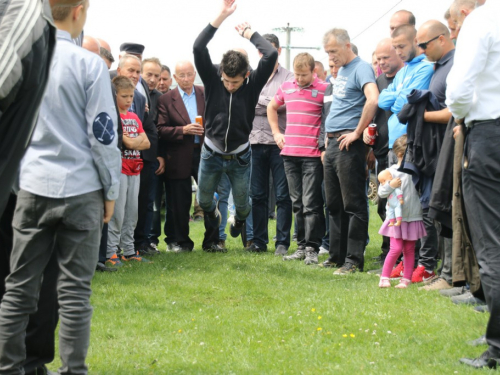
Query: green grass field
x,y
243,313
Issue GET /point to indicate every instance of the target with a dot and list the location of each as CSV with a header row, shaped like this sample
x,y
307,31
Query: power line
x,y
378,19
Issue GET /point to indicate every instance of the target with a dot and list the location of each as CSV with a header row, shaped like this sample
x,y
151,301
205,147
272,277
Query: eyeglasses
x,y
183,76
423,45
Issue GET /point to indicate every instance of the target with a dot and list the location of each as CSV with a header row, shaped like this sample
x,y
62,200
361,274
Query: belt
x,y
338,134
228,157
484,122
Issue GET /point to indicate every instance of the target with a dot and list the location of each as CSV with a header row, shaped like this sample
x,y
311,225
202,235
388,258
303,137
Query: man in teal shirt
x,y
416,74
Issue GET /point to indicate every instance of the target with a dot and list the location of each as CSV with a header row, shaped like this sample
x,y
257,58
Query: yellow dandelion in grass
x,y
313,309
344,335
319,329
352,335
180,331
192,320
319,317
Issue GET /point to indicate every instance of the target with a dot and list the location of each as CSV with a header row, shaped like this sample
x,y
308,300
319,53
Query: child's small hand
x,y
401,201
395,183
125,134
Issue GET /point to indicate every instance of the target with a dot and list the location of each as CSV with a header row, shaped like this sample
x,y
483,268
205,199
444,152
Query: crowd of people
x,y
107,148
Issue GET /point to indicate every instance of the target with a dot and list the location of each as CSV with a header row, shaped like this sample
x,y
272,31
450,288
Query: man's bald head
x,y
401,17
434,39
91,44
104,44
434,27
387,58
184,64
185,75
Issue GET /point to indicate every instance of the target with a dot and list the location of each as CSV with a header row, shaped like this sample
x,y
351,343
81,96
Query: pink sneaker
x,y
384,282
403,284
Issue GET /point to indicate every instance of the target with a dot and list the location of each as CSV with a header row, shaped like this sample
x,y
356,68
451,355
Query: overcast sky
x,y
168,28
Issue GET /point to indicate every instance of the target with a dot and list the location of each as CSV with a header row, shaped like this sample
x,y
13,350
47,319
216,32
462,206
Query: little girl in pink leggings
x,y
402,237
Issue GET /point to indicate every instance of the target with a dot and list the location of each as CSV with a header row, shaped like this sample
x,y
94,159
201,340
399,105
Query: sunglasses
x,y
423,45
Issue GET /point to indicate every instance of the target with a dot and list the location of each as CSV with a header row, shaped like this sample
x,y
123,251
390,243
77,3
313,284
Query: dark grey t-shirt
x,y
438,80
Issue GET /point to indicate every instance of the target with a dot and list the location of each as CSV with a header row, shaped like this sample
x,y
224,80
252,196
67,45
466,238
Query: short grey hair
x,y
106,54
127,57
340,35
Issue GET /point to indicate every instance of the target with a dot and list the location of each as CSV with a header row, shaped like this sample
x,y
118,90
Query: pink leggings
x,y
399,245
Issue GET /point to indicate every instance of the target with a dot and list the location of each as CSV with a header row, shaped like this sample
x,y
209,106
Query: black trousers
x,y
304,176
481,189
40,337
179,198
345,192
141,234
103,247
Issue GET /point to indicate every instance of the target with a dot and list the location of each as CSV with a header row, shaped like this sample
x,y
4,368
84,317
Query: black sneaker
x,y
346,269
153,248
328,264
300,254
119,251
101,267
215,248
254,248
311,256
214,218
143,249
236,227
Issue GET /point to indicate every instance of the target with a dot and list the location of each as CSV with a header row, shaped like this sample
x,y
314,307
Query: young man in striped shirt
x,y
303,97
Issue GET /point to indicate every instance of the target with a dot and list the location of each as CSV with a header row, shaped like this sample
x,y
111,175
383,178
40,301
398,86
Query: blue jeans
x,y
267,158
238,170
226,201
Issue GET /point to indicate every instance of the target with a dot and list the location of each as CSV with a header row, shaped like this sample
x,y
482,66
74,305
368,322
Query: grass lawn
x,y
246,313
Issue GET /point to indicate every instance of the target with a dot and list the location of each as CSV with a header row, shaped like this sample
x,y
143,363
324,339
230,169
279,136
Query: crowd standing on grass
x,y
300,139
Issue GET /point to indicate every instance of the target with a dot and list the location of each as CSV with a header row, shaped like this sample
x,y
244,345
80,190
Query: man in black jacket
x,y
231,94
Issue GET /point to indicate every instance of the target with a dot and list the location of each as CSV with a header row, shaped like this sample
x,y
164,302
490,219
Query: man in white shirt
x,y
473,97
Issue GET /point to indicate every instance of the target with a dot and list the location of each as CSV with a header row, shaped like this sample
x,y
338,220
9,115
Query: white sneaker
x,y
323,251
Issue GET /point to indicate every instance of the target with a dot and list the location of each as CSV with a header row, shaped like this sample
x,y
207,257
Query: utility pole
x,y
288,30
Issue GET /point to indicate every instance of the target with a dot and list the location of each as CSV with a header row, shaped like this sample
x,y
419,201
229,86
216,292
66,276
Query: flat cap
x,y
133,48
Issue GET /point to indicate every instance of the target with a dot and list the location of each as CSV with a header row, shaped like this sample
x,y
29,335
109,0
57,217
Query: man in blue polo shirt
x,y
354,106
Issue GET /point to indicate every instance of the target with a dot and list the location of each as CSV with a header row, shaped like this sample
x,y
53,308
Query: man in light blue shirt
x,y
69,180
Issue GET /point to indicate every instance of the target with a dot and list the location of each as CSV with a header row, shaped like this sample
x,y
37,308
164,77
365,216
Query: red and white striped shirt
x,y
303,117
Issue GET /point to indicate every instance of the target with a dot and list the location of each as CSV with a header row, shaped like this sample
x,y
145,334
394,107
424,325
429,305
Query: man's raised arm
x,y
202,58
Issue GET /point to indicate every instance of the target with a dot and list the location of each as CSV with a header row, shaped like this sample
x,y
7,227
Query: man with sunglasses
x,y
433,37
